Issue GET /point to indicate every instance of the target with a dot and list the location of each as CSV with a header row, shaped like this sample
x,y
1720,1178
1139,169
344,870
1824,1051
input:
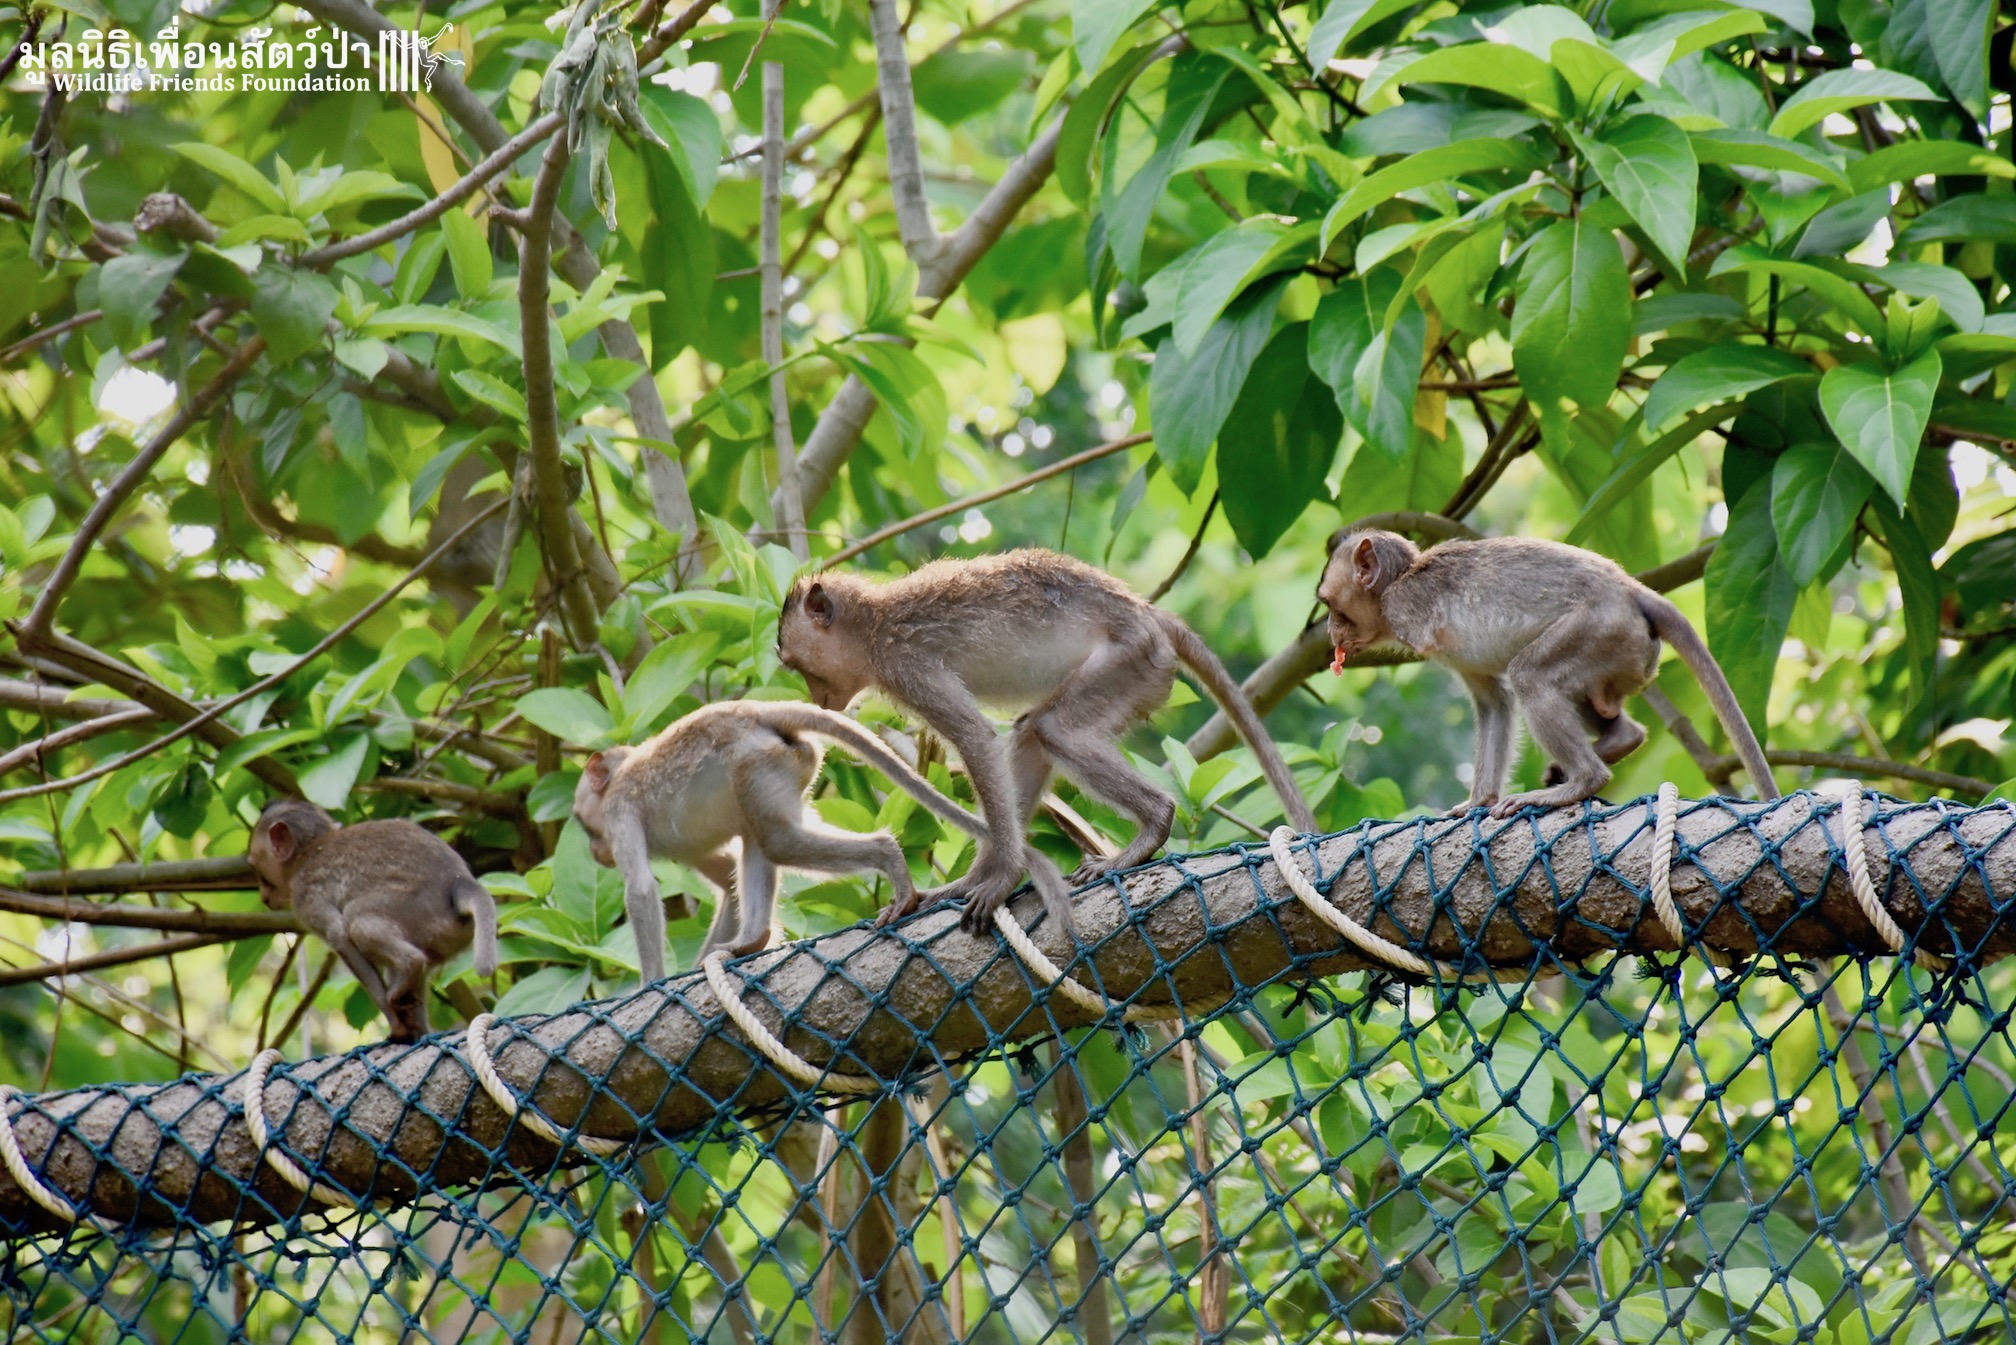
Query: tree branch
x,y
791,516
113,957
542,407
231,873
899,128
225,924
1192,931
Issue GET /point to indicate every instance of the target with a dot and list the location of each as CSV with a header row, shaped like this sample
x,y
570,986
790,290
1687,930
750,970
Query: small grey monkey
x,y
1069,646
389,897
1562,634
742,769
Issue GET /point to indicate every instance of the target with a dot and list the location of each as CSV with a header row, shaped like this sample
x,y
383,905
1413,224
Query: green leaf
x,y
493,392
678,258
1839,283
955,86
1748,602
1841,91
1372,374
692,135
1755,149
664,676
1881,417
237,172
1496,66
292,309
1190,396
356,185
468,254
1572,323
130,286
330,780
1193,83
1958,32
1276,445
1419,170
572,716
1632,473
1927,158
1647,163
1344,20
1097,24
1816,493
1964,217
1721,373
1222,265
406,318
1918,586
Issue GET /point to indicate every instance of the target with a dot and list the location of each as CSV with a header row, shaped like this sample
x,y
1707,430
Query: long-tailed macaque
x,y
389,897
1080,656
742,769
1561,633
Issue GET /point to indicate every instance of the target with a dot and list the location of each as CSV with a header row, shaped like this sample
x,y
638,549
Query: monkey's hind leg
x,y
1618,735
781,835
1077,728
1555,719
380,941
720,869
1492,702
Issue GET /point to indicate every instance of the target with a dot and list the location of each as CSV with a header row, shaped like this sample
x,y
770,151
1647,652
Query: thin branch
x,y
204,717
10,355
1161,590
542,407
791,518
113,497
448,791
1864,767
40,749
899,123
497,161
661,41
1062,465
224,924
55,701
304,1004
114,957
231,873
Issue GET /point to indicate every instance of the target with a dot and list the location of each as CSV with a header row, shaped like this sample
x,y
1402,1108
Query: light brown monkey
x,y
742,769
389,897
1562,634
1070,647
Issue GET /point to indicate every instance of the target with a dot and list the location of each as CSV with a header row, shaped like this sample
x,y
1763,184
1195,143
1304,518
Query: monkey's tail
x,y
841,731
1674,628
475,901
1231,698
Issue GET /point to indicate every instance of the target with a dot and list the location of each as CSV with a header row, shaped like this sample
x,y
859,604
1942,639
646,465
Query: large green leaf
x,y
571,715
292,309
1572,323
1372,373
1721,373
1221,266
1816,493
1839,283
1496,66
1189,396
1927,158
1881,417
1918,587
1958,33
237,172
1755,149
1648,164
1964,217
1748,601
1841,91
1193,84
1632,471
1342,21
1097,24
677,258
1276,445
1419,170
130,286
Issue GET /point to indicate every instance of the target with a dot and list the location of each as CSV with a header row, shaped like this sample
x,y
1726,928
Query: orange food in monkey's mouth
x,y
1337,663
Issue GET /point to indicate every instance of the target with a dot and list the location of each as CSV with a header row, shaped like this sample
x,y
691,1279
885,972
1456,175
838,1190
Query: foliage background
x,y
1642,274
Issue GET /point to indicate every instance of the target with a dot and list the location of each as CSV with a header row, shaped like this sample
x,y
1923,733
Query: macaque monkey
x,y
742,769
1562,633
1079,655
389,897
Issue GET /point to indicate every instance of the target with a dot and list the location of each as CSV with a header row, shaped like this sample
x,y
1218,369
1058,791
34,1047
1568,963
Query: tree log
x,y
1751,877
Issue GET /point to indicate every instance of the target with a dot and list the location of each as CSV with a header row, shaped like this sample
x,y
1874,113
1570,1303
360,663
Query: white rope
x,y
254,1098
1378,948
1864,885
31,1185
477,1044
782,1056
1037,961
1665,833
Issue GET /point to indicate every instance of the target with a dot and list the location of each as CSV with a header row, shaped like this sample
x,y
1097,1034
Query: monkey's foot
x,y
1470,806
1558,797
1092,870
896,910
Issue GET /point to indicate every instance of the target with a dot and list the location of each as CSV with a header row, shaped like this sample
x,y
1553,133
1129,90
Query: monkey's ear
x,y
1365,563
598,772
819,604
281,839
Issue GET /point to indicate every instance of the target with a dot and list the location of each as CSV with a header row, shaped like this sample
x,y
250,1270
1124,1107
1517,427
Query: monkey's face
x,y
591,802
813,640
1357,618
269,862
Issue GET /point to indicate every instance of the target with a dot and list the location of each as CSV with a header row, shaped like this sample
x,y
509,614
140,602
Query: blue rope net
x,y
1620,1146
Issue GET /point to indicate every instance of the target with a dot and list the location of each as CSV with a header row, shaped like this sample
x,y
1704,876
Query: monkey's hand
x,y
983,888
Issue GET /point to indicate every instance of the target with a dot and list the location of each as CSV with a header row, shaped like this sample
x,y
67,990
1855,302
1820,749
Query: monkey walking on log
x,y
1073,650
1561,633
389,897
742,769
